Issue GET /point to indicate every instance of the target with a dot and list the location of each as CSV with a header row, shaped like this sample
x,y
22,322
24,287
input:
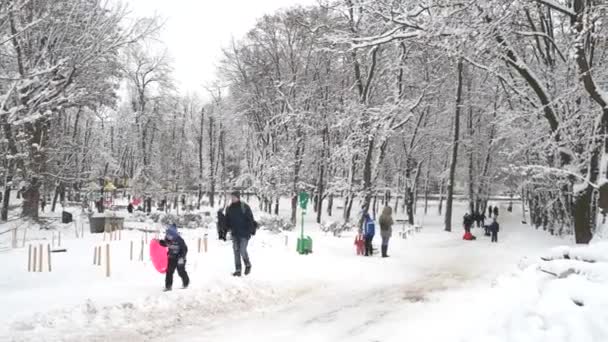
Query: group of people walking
x,y
368,230
238,220
490,229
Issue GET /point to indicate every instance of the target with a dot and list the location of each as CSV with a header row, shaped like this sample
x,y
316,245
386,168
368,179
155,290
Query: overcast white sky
x,y
196,30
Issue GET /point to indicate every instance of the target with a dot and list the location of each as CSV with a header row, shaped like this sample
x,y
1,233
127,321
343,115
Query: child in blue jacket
x,y
176,253
369,230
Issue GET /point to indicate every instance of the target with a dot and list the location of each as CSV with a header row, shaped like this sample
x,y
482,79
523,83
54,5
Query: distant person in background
x,y
42,203
489,211
495,212
240,222
130,208
176,253
386,228
494,228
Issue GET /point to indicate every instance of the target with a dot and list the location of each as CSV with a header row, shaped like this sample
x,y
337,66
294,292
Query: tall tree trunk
x,y
454,159
31,198
426,184
367,176
471,133
58,190
348,202
211,162
276,206
200,158
330,204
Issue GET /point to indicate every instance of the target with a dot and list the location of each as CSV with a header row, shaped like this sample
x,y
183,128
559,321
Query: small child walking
x,y
176,252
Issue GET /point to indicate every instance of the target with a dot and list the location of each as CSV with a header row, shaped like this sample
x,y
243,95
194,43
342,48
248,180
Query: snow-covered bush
x,y
335,227
273,223
188,220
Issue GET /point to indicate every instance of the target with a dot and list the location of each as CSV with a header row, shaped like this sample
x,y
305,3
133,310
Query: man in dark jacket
x,y
489,211
176,252
495,211
240,222
494,230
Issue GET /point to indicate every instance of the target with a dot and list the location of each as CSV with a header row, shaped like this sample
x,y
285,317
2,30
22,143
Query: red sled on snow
x,y
359,244
468,236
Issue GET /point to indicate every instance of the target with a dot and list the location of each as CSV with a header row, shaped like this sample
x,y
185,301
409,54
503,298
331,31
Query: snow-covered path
x,y
331,295
421,292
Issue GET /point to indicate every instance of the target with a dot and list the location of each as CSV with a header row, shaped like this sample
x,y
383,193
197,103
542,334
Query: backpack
x,y
253,225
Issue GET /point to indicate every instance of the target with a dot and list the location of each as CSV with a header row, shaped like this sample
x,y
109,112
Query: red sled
x,y
158,255
360,244
468,236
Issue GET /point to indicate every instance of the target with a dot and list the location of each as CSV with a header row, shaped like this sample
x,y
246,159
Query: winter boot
x,y
236,274
247,270
384,251
167,289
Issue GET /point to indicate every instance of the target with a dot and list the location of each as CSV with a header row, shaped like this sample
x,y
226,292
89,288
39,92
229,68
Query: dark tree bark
x,y
200,158
455,142
212,161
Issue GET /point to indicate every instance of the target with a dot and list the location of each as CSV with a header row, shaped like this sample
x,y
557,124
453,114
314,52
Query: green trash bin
x,y
304,245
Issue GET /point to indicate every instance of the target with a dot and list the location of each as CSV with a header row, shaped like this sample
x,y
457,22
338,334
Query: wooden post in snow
x,y
14,238
48,260
205,242
141,253
107,260
34,259
199,245
29,258
24,234
98,255
59,239
131,250
76,229
53,240
94,255
40,259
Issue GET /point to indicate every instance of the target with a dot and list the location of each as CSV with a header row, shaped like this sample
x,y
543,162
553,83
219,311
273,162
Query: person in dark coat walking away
x,y
42,203
386,228
221,225
240,222
130,208
467,222
494,228
495,212
481,217
489,211
176,252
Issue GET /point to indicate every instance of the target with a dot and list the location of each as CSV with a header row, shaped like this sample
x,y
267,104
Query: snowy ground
x,y
435,287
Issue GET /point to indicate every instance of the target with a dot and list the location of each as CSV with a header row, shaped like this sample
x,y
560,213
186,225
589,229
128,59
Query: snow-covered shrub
x,y
155,216
140,216
188,220
335,227
273,223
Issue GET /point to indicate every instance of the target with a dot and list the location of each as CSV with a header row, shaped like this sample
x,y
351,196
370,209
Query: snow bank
x,y
558,300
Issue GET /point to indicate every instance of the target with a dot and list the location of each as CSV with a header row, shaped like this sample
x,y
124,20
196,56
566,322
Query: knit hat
x,y
236,194
172,231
